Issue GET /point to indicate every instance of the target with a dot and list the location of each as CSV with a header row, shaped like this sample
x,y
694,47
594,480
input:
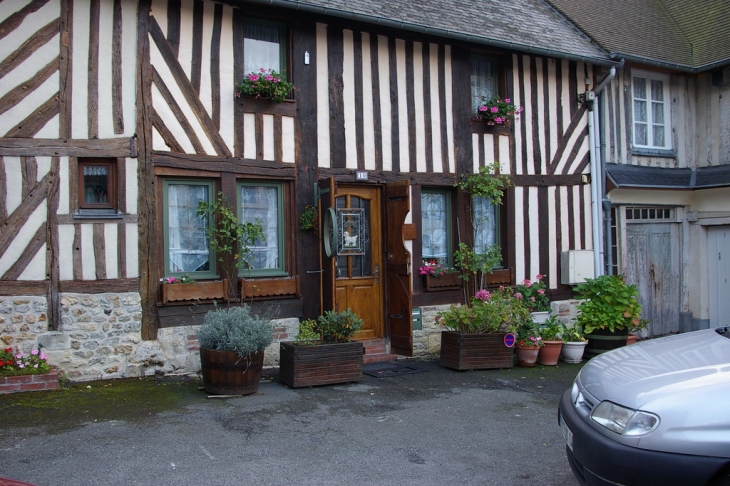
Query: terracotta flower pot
x,y
550,353
527,355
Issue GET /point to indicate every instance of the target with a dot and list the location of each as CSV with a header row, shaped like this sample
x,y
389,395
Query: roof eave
x,y
424,29
670,65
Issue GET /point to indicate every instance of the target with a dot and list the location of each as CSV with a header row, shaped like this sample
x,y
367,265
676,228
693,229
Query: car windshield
x,y
723,331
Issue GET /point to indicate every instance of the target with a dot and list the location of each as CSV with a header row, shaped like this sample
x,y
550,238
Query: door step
x,y
376,351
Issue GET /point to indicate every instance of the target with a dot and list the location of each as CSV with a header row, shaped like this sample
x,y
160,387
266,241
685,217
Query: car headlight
x,y
624,421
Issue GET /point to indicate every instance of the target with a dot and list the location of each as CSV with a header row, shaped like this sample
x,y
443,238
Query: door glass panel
x,y
356,265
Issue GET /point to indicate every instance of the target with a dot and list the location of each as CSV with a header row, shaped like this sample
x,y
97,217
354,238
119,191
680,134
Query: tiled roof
x,y
667,178
684,34
521,25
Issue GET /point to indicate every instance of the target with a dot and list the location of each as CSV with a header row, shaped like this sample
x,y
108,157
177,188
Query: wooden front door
x,y
359,276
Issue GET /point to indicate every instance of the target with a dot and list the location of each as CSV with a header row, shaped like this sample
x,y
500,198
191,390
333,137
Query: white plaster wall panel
x,y
582,125
13,183
489,148
158,10
403,140
367,104
132,250
564,228
172,123
475,152
66,251
583,150
517,130
535,237
348,99
131,167
249,136
63,186
32,22
268,129
419,108
436,115
50,129
9,8
385,105
288,140
565,96
30,67
88,259
576,213
159,64
228,81
36,269
185,51
540,116
205,94
552,240
519,240
23,238
552,110
323,98
129,67
44,166
527,120
29,104
106,35
504,158
448,108
80,69
111,252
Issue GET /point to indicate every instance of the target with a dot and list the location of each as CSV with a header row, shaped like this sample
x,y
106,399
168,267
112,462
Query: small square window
x,y
483,80
264,46
96,184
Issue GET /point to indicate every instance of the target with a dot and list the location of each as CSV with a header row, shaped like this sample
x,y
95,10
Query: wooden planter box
x,y
204,291
320,364
475,351
270,288
13,384
447,281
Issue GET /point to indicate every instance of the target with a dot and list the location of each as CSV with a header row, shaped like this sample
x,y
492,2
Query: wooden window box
x,y
252,104
202,291
270,288
481,126
447,281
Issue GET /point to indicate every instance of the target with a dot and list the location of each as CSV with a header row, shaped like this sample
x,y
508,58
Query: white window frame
x,y
650,123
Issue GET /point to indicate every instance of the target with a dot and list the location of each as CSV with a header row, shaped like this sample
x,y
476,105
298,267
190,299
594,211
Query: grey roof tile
x,y
622,175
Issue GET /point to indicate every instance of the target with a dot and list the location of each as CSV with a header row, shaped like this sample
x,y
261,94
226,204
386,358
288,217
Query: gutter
x,y
670,65
423,29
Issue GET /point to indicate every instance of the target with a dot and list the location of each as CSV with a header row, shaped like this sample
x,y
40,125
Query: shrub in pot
x,y
609,308
232,342
322,353
529,344
574,343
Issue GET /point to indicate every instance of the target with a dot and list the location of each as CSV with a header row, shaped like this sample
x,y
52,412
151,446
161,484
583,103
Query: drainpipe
x,y
594,140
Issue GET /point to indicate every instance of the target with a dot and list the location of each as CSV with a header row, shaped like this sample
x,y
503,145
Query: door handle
x,y
377,274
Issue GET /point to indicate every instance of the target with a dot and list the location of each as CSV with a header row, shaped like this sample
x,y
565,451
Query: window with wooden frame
x,y
651,118
186,246
263,203
485,220
484,80
436,226
97,184
264,46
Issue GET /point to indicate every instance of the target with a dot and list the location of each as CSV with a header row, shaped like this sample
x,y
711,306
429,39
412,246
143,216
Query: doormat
x,y
385,370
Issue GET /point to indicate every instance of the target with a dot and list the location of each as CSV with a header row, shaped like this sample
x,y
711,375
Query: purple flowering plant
x,y
16,363
498,111
534,293
184,278
265,84
434,269
498,310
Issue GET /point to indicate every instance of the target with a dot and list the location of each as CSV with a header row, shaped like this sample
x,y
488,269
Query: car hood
x,y
657,372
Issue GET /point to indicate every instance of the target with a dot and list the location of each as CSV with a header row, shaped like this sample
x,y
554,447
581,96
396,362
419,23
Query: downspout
x,y
594,140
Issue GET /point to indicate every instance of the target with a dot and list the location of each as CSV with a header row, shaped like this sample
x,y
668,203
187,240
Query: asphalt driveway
x,y
438,427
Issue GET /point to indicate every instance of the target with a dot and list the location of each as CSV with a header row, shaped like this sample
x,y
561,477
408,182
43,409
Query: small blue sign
x,y
509,340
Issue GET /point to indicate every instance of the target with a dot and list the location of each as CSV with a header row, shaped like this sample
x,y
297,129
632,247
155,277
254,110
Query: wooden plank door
x,y
718,258
653,265
359,257
399,301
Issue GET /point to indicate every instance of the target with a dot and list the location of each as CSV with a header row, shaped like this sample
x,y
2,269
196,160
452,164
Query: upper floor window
x,y
486,223
651,111
97,188
187,250
264,46
436,226
263,203
483,80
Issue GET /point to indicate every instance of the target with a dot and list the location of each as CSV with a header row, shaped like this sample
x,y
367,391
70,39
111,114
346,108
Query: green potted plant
x,y
232,343
308,220
609,308
475,335
322,353
528,344
551,334
574,343
635,330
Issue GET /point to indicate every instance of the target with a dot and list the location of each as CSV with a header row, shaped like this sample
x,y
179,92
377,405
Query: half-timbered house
x,y
665,154
118,116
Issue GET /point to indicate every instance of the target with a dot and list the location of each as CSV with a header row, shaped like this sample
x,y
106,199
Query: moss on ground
x,y
71,406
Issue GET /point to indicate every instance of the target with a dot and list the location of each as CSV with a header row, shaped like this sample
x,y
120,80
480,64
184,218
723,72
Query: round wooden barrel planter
x,y
227,373
602,340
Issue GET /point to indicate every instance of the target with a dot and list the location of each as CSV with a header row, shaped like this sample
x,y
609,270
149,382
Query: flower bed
x,y
13,384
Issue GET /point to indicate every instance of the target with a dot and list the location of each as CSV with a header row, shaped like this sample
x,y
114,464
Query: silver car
x,y
656,412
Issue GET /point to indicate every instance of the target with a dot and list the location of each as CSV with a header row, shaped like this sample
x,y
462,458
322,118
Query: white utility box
x,y
576,266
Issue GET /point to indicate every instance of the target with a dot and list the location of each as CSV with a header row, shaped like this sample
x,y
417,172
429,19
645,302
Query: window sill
x,y
258,105
650,152
98,214
480,126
